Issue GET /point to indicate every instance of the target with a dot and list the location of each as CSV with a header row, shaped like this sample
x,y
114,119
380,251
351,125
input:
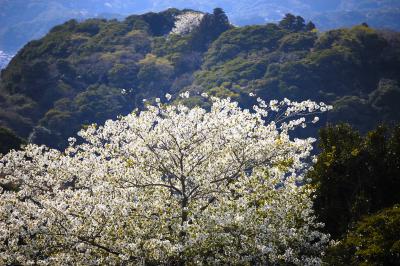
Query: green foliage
x,y
375,240
243,40
154,75
298,41
355,175
94,105
122,75
385,97
343,67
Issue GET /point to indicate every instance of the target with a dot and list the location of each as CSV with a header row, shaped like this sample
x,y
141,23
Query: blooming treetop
x,y
187,22
169,185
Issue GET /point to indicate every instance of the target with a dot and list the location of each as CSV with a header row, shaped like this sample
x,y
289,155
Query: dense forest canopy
x,y
87,72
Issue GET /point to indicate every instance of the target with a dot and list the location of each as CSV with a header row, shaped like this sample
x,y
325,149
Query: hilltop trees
x,y
168,185
295,23
210,28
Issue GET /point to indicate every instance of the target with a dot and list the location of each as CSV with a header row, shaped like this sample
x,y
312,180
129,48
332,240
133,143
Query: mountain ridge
x,y
25,20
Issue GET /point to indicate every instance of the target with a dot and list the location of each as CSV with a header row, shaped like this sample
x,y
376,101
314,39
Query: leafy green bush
x,y
374,240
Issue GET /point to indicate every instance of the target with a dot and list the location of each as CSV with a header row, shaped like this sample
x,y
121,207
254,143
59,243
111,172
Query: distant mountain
x,y
383,14
25,20
87,72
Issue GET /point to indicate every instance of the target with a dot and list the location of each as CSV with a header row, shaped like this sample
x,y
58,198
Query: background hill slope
x,y
82,73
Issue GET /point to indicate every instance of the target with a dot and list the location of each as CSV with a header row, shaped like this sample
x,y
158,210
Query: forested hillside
x,y
25,20
83,73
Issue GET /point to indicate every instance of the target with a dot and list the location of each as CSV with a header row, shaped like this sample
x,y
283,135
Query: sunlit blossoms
x,y
169,185
187,22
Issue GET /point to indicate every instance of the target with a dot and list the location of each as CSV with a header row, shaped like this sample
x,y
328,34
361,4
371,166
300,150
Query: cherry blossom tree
x,y
187,22
168,185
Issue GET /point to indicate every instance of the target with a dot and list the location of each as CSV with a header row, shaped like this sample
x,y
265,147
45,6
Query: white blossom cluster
x,y
168,185
187,22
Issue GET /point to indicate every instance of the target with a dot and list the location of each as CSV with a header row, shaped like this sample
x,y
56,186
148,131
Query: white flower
x,y
184,95
315,120
166,173
314,159
71,140
204,95
81,247
168,96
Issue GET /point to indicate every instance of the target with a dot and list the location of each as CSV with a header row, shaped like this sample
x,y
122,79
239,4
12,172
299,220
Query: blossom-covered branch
x,y
171,184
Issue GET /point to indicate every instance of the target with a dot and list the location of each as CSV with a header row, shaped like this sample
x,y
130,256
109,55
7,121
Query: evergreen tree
x,y
292,23
210,28
355,175
310,26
